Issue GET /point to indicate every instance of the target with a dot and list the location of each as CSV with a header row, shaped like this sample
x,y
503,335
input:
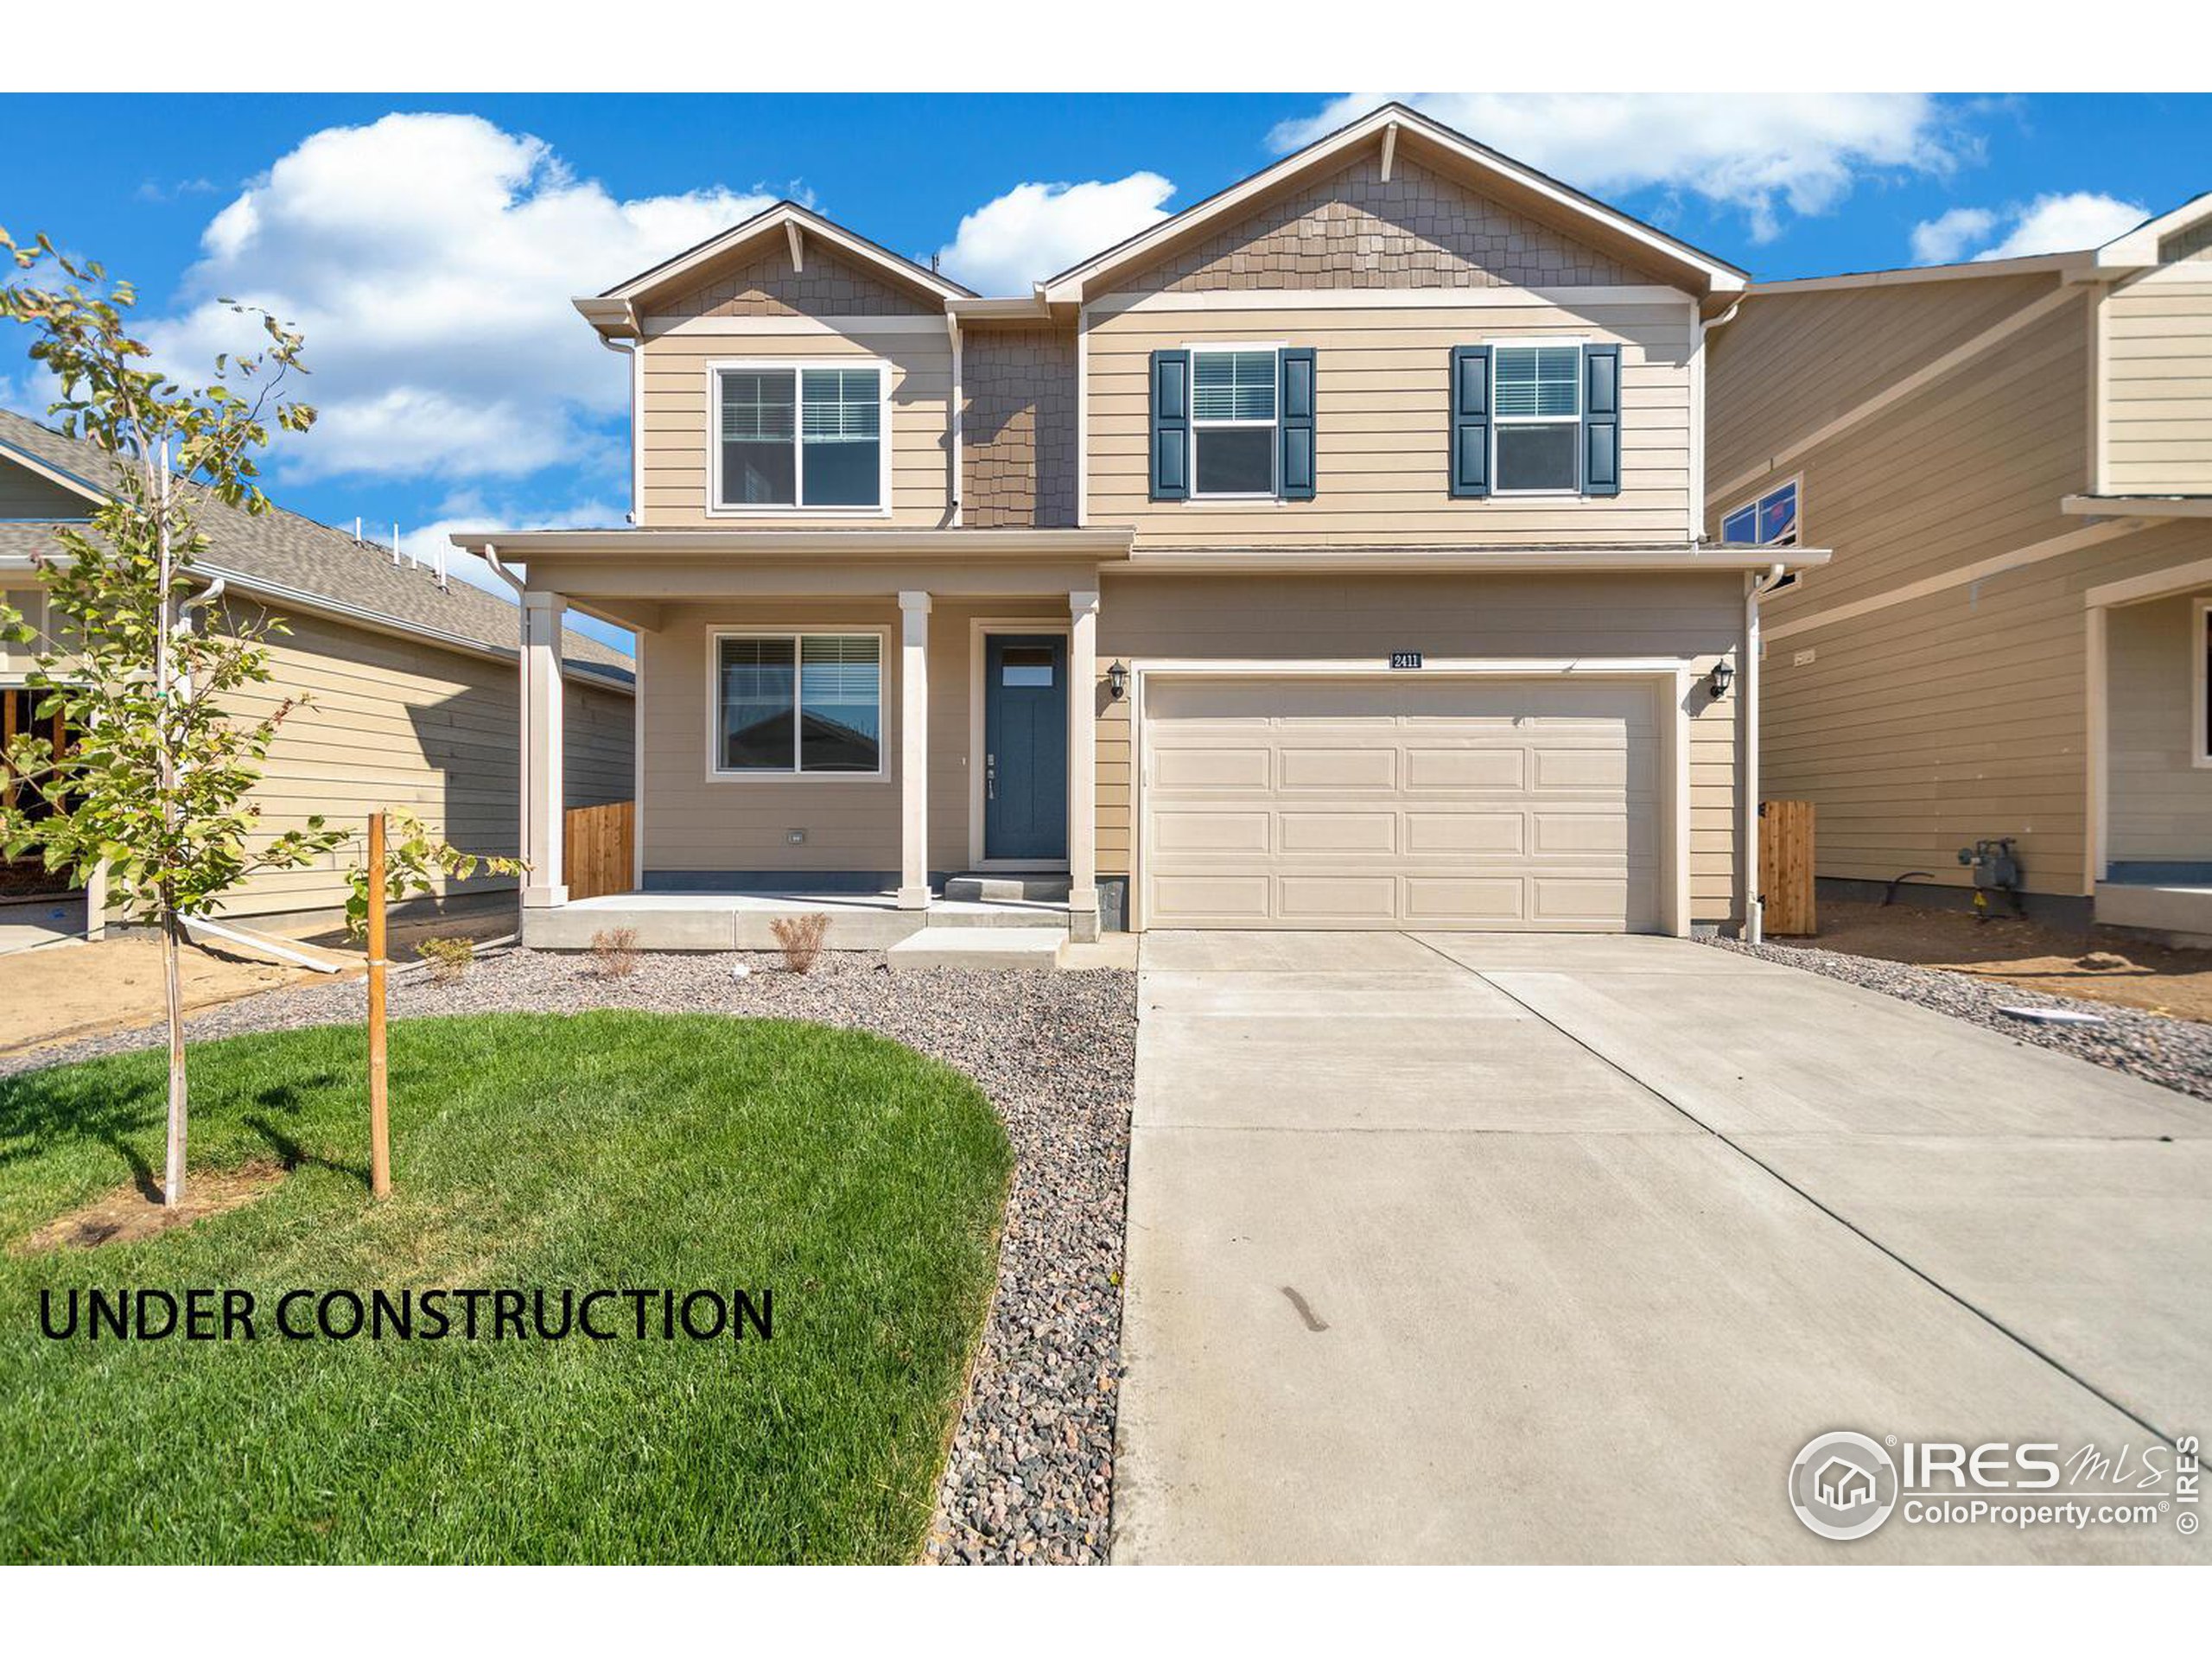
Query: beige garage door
x,y
1434,803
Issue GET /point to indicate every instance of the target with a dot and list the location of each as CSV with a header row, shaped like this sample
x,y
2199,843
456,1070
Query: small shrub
x,y
450,959
615,948
801,938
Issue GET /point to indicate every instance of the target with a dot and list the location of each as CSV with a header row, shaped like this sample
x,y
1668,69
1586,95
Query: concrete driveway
x,y
1454,1248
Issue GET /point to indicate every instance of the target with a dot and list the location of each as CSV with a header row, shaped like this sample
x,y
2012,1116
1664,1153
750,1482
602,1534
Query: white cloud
x,y
1759,153
2050,224
430,260
1036,230
1944,240
470,510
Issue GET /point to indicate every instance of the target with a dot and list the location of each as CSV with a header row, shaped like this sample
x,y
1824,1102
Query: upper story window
x,y
1232,423
800,438
1233,413
1536,405
1769,521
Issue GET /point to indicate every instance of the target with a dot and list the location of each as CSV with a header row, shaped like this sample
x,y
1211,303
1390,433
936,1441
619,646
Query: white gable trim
x,y
791,218
2140,245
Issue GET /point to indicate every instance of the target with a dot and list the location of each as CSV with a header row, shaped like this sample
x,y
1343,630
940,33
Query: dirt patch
x,y
69,991
136,1211
2014,950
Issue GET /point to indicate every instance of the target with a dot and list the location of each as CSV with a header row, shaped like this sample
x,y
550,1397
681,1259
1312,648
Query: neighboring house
x,y
1330,556
412,679
2011,462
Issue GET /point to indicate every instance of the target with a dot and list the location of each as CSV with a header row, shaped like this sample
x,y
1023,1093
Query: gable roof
x,y
615,311
292,561
1396,127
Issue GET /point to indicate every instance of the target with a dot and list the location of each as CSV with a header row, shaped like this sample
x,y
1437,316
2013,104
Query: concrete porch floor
x,y
743,921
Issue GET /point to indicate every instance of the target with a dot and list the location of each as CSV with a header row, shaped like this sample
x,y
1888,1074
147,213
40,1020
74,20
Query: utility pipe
x,y
238,936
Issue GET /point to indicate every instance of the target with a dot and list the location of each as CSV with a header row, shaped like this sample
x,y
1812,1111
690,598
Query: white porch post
x,y
543,798
1082,766
914,752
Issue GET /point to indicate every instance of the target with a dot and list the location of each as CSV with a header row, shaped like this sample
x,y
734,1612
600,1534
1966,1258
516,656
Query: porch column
x,y
542,798
914,752
1083,765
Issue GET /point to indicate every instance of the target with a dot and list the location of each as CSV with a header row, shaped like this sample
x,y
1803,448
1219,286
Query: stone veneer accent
x,y
766,286
1351,230
1018,428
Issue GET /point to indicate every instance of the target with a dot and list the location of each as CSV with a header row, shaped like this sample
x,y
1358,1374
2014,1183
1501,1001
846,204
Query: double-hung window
x,y
800,438
1234,415
798,704
1536,419
1769,521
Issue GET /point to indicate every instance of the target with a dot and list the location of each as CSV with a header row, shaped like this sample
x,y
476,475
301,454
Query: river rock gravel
x,y
2173,1053
1030,1477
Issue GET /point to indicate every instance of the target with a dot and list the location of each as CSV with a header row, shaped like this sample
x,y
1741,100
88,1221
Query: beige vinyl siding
x,y
679,423
1789,362
1381,379
1922,727
1308,619
2158,352
24,494
2160,805
392,722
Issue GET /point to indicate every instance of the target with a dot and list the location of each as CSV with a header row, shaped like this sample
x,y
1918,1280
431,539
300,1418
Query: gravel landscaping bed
x,y
2174,1053
1030,1472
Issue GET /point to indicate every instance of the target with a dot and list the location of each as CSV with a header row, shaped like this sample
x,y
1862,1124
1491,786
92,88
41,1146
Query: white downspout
x,y
629,348
1747,718
953,419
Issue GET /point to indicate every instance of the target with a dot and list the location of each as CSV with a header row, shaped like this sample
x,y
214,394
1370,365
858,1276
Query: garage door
x,y
1528,804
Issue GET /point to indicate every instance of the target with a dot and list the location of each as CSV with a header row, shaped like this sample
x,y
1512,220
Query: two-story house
x,y
1331,555
2011,462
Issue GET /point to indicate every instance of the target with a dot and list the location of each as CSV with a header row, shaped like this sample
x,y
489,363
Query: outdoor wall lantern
x,y
1117,681
1724,674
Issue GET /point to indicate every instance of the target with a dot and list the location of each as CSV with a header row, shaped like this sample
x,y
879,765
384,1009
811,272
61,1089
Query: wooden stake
x,y
380,1114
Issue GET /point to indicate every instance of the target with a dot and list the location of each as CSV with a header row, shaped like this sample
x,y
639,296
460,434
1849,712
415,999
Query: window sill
x,y
798,512
1255,500
714,775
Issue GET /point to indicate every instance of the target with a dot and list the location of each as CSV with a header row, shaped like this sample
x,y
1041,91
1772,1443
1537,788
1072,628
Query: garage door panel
x,y
1468,769
1372,770
1438,803
1337,832
1244,831
1486,900
1435,833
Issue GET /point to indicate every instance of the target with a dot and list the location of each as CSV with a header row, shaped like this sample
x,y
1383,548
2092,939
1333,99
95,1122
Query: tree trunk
x,y
173,1186
172,929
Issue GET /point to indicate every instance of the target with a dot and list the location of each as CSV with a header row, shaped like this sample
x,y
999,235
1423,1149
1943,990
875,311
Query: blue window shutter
x,y
1171,426
1601,420
1294,368
1470,421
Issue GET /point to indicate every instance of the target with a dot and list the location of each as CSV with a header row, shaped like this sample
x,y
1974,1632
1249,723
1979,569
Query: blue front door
x,y
1025,745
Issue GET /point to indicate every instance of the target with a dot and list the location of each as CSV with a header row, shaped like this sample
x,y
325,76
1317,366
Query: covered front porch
x,y
2150,766
895,729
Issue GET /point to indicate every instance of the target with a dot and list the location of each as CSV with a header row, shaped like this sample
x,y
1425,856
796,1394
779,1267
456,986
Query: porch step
x,y
1045,887
977,947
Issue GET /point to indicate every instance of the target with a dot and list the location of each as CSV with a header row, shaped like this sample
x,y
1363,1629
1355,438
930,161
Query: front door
x,y
1025,745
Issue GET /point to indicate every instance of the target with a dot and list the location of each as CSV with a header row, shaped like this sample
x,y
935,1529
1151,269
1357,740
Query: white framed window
x,y
796,704
1536,418
1235,422
1769,520
800,437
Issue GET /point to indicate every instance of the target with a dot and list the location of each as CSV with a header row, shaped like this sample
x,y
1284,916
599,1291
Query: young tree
x,y
154,784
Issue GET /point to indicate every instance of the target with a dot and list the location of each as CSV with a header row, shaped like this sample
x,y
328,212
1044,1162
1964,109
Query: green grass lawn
x,y
860,1183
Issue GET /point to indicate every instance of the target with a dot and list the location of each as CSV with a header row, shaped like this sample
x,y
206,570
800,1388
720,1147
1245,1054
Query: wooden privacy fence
x,y
597,848
1786,867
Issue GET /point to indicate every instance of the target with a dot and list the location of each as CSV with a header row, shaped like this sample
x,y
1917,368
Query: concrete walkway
x,y
1492,1248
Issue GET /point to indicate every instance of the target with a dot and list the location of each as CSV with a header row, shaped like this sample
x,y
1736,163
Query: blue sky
x,y
430,260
